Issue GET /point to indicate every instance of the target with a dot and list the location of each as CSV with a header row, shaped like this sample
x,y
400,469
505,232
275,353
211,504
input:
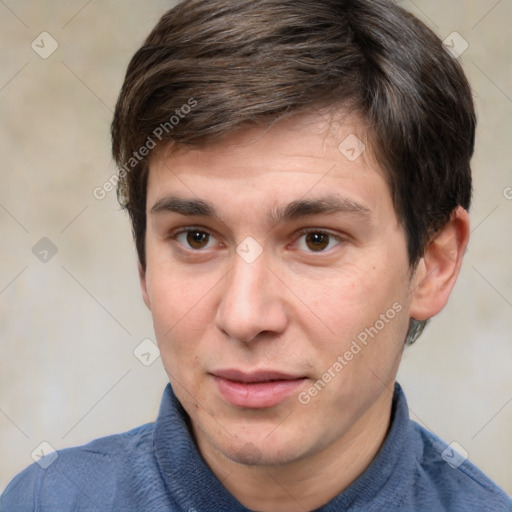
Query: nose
x,y
251,304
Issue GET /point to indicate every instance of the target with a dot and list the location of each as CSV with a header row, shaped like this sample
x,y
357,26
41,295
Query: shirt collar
x,y
194,486
189,480
390,475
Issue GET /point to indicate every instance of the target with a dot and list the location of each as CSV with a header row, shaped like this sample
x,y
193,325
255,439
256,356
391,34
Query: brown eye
x,y
197,239
317,241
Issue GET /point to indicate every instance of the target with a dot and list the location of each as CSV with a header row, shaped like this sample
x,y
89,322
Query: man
x,y
297,176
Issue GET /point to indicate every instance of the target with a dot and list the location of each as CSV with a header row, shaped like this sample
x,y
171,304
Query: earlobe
x,y
143,285
436,273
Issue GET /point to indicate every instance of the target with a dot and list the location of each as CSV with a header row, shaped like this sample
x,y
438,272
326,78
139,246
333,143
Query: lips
x,y
254,390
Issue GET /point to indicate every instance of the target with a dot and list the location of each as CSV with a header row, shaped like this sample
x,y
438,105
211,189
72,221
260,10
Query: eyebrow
x,y
187,207
325,205
296,209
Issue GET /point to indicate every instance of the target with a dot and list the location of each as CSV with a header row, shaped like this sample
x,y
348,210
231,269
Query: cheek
x,y
181,310
343,298
361,302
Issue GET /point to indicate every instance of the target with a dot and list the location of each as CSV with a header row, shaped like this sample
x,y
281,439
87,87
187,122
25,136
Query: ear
x,y
436,273
143,285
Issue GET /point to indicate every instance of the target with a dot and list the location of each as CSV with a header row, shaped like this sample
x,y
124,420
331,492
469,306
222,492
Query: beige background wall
x,y
68,325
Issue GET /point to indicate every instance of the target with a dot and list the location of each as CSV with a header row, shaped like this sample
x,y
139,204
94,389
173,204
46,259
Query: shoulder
x,y
87,477
446,477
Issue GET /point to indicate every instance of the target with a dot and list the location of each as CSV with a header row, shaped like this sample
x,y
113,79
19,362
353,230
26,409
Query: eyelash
x,y
184,231
297,237
331,236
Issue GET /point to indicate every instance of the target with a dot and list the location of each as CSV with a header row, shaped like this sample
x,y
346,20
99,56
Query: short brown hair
x,y
240,62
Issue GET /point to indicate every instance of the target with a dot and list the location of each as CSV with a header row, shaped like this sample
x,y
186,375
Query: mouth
x,y
256,390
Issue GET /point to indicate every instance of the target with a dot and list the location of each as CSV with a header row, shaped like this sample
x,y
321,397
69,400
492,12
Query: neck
x,y
311,482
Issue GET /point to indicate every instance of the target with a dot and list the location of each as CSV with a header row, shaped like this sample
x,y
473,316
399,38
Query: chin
x,y
262,452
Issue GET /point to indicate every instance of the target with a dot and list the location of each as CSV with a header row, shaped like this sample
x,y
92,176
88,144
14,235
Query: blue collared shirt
x,y
157,467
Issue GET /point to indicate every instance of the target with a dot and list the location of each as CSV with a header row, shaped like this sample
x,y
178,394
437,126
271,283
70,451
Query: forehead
x,y
308,155
302,136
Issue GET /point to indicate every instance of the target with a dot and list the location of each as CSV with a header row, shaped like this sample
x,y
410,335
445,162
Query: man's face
x,y
278,280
